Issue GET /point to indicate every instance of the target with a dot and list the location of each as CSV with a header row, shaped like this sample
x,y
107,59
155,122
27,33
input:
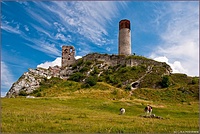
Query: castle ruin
x,y
124,44
124,39
68,53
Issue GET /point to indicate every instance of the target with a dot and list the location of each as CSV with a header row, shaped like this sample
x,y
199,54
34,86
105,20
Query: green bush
x,y
110,79
36,91
78,63
77,77
84,69
38,94
195,81
95,71
91,80
88,63
165,81
123,70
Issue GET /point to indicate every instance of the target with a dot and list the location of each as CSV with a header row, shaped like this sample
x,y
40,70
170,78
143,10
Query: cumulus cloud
x,y
48,64
180,38
78,57
176,65
56,62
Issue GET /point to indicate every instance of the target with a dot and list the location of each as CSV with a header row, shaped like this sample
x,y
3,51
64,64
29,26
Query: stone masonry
x,y
68,53
124,41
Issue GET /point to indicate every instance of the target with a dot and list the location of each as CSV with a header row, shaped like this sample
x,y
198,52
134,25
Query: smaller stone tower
x,y
68,53
124,41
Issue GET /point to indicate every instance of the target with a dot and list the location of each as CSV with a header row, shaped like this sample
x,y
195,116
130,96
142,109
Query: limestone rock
x,y
30,80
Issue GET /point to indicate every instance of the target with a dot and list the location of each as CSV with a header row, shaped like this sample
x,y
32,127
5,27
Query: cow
x,y
122,111
148,110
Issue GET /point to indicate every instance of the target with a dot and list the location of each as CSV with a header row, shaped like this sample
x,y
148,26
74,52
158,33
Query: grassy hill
x,y
88,102
95,110
179,92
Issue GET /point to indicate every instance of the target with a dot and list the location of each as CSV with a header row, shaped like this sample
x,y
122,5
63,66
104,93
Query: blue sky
x,y
32,33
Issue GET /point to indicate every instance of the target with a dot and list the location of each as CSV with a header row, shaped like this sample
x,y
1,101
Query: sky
x,y
33,32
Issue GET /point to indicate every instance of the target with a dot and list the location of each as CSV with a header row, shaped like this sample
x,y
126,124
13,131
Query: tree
x,y
165,81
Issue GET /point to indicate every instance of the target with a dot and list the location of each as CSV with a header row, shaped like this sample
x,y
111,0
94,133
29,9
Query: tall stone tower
x,y
68,53
124,41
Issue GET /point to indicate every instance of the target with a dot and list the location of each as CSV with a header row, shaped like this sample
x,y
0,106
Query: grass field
x,y
95,111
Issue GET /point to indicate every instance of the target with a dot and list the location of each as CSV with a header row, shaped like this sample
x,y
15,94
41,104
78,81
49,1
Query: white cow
x,y
122,110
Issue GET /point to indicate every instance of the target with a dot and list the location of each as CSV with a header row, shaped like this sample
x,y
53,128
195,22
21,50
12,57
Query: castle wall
x,y
68,53
114,60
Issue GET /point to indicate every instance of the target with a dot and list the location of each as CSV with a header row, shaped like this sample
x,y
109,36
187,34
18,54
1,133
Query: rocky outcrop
x,y
30,80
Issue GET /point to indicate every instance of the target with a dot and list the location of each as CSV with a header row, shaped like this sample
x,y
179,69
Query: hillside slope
x,y
131,74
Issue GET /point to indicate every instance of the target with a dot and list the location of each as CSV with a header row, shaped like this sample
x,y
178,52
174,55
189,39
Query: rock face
x,y
31,80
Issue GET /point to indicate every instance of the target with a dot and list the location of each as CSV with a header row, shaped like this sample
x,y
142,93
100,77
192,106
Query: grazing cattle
x,y
148,109
122,110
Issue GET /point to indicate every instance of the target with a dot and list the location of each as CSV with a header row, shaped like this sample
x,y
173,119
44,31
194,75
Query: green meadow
x,y
96,110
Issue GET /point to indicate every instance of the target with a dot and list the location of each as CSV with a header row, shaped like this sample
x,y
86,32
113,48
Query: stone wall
x,y
113,60
68,53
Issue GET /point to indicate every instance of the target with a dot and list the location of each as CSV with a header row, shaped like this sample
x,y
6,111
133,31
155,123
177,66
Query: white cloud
x,y
41,44
26,28
48,64
42,30
108,49
6,78
45,47
176,65
84,18
39,16
60,28
60,36
78,57
180,39
5,26
3,94
57,62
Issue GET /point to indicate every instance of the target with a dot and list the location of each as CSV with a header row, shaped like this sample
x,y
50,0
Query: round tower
x,y
124,41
